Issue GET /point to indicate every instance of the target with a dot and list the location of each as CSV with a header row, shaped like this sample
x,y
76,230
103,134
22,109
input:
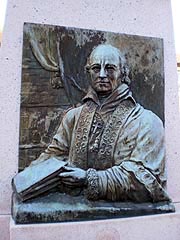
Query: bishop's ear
x,y
125,75
87,66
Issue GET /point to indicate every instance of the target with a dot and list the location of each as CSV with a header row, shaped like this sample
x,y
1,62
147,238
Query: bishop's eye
x,y
96,69
110,68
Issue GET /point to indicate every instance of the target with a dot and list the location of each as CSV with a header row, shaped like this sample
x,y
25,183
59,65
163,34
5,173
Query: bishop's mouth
x,y
103,82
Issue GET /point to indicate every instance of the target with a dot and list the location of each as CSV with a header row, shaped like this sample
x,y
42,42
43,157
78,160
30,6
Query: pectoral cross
x,y
97,126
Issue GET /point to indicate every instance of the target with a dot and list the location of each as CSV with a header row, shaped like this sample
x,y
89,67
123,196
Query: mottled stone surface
x,y
57,207
4,227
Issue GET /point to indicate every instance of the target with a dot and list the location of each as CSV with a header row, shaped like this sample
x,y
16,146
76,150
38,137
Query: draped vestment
x,y
120,141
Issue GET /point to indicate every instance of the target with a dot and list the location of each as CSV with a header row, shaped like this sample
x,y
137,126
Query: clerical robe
x,y
119,143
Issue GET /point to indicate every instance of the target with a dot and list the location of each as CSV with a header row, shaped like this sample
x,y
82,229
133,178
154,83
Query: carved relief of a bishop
x,y
114,147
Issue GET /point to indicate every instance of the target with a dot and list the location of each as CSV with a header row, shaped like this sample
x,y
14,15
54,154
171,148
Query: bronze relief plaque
x,y
92,104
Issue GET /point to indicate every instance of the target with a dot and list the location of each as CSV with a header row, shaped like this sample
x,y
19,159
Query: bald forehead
x,y
105,54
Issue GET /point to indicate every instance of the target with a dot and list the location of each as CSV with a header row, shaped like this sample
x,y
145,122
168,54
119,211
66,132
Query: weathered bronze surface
x,y
113,146
43,95
57,207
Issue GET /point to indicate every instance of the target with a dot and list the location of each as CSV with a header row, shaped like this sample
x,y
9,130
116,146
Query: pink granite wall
x,y
147,18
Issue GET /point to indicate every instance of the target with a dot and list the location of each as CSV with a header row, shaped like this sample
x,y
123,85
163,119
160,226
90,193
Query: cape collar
x,y
119,94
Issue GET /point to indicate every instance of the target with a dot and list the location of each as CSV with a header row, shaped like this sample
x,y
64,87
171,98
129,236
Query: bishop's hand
x,y
73,177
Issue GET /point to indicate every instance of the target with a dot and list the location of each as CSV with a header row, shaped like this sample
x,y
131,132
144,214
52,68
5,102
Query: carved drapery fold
x,y
41,46
45,44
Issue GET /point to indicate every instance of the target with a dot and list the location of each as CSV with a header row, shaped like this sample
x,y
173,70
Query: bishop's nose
x,y
102,73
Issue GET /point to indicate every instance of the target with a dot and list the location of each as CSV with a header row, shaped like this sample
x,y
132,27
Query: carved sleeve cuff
x,y
92,184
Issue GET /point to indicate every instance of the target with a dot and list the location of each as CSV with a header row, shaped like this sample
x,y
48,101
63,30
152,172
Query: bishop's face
x,y
104,70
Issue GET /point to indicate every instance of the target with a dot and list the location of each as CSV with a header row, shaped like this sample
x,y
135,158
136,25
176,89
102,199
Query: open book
x,y
37,179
